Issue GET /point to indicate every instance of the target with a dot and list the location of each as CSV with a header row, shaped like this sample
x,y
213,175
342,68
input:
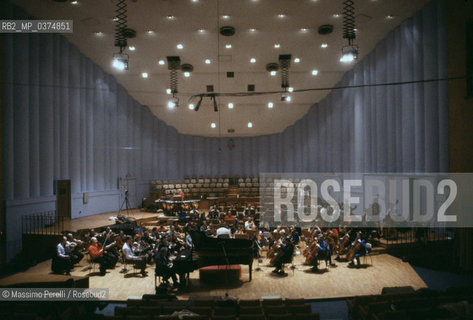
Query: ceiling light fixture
x,y
161,62
252,30
150,32
270,105
252,60
187,74
390,17
201,30
273,73
304,29
75,2
230,105
191,106
290,89
144,75
277,45
225,17
228,46
174,102
281,15
170,17
168,91
250,125
315,72
180,46
213,125
350,51
99,34
324,45
207,61
336,15
297,60
131,48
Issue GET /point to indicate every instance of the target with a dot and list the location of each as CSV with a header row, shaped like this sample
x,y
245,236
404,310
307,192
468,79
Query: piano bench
x,y
216,274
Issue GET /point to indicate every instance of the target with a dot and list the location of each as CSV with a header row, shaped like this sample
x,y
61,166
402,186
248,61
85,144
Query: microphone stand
x,y
222,243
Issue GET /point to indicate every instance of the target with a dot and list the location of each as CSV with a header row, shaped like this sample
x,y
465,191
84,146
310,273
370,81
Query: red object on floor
x,y
216,274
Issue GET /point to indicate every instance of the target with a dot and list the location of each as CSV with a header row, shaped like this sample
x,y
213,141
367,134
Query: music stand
x,y
126,204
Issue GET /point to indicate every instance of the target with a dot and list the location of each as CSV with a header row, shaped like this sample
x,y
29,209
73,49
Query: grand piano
x,y
210,251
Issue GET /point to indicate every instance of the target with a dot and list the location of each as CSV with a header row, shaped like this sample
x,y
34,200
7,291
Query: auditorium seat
x,y
280,317
299,308
252,317
272,302
307,316
294,301
224,317
224,311
201,310
254,310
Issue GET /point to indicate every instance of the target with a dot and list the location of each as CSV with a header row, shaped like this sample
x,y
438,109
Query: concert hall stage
x,y
382,270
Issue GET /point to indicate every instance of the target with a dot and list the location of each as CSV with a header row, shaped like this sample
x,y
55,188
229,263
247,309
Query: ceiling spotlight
x,y
213,125
290,89
273,73
230,105
207,61
250,125
75,2
336,15
281,15
228,46
144,75
304,29
99,34
315,72
187,74
252,30
131,48
195,0
168,91
161,62
225,17
191,106
150,32
252,60
297,60
390,17
285,97
277,45
324,45
201,30
180,46
349,54
120,61
170,17
174,102
270,105
198,103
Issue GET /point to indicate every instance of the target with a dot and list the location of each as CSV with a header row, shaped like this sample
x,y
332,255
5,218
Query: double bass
x,y
353,250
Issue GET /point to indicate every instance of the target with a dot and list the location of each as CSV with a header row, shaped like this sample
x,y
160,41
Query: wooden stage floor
x,y
335,282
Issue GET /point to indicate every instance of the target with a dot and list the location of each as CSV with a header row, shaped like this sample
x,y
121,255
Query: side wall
x,y
65,118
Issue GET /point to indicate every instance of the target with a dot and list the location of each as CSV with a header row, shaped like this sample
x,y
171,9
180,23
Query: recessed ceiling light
x,y
207,61
201,30
171,104
191,106
180,46
270,105
115,19
225,17
290,89
304,29
144,75
273,73
170,17
132,48
252,29
99,34
230,105
277,45
195,0
252,60
213,125
336,15
150,32
288,99
281,15
324,45
250,125
228,46
390,17
75,2
355,29
297,60
187,74
168,91
161,62
315,72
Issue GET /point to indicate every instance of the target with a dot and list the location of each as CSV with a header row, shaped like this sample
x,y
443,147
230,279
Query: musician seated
x,y
101,256
61,261
164,267
284,255
223,232
364,249
72,249
138,261
324,253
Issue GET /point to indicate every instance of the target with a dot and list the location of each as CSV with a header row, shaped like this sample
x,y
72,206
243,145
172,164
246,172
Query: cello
x,y
353,250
